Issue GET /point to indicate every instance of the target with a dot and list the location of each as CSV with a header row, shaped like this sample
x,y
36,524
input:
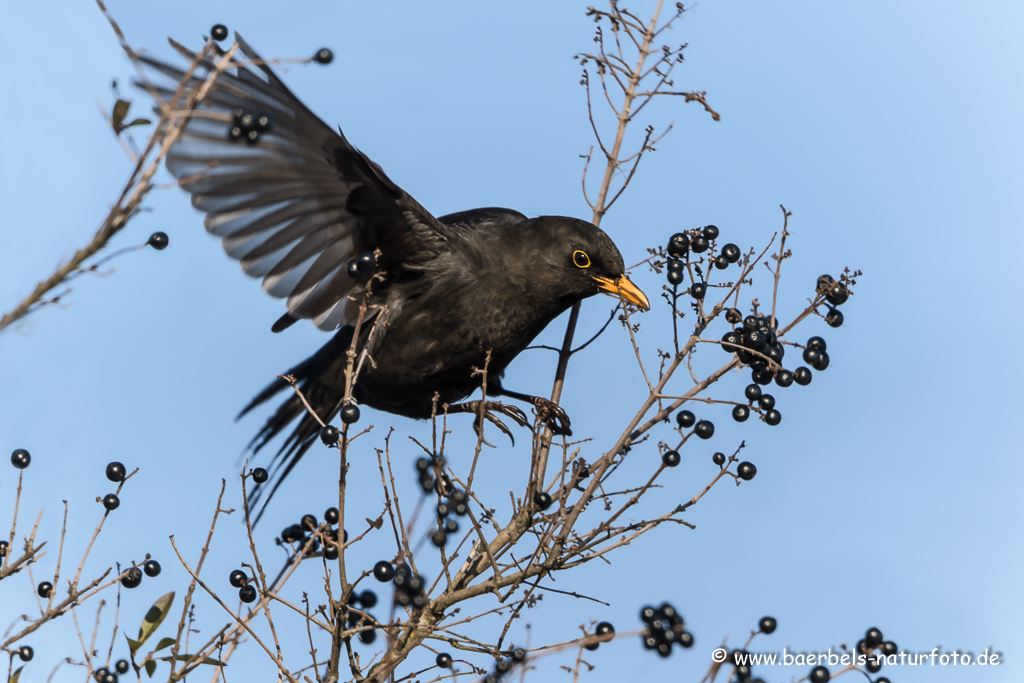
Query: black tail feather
x,y
321,379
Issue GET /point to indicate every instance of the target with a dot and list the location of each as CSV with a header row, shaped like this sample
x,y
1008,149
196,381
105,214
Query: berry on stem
x,y
350,414
20,458
219,32
111,501
323,56
746,471
158,240
685,419
329,434
670,458
151,568
116,472
260,475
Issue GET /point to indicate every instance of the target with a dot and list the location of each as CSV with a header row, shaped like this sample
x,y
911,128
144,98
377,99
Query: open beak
x,y
622,287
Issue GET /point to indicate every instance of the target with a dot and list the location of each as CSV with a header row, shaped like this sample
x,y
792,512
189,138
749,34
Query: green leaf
x,y
17,674
133,645
155,616
120,111
164,642
137,122
187,658
150,668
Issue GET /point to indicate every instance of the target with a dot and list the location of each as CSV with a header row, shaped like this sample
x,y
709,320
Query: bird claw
x,y
553,417
489,407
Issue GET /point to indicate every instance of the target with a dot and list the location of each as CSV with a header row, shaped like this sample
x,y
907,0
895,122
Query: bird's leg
x,y
549,413
509,411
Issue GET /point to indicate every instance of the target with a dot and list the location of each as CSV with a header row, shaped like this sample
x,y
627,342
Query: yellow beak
x,y
623,288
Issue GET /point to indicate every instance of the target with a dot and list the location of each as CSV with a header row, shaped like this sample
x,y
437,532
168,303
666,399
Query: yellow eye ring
x,y
581,259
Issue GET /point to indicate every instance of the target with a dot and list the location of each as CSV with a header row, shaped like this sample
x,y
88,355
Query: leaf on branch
x,y
376,523
17,674
154,617
121,108
150,668
188,658
164,642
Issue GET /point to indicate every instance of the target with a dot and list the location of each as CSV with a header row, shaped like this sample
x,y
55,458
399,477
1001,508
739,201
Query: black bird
x,y
325,228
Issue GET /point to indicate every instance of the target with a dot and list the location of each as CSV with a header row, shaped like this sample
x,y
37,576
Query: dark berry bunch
x,y
431,473
704,429
308,527
756,344
664,628
248,126
361,267
697,241
246,590
603,632
105,675
873,642
409,587
453,505
836,293
362,602
504,666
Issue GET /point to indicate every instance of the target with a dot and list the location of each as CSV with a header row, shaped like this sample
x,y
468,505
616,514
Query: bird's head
x,y
580,260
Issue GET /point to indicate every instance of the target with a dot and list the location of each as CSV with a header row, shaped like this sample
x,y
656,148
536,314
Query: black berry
x,y
519,654
158,240
767,624
685,638
44,589
122,666
111,501
711,232
784,378
733,316
368,599
292,534
350,414
308,522
773,417
238,578
699,244
740,413
21,458
542,500
331,515
746,470
873,637
366,262
152,568
767,402
219,32
721,263
752,392
670,458
383,571
834,318
698,290
675,277
132,578
685,419
704,429
823,361
444,660
116,471
718,459
731,253
817,343
811,356
837,294
329,434
323,56
678,245
889,648
819,674
802,376
260,475
247,593
26,653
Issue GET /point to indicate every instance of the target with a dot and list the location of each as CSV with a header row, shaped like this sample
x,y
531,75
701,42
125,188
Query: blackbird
x,y
435,300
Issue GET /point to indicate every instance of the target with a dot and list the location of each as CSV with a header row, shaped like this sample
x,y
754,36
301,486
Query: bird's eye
x,y
581,259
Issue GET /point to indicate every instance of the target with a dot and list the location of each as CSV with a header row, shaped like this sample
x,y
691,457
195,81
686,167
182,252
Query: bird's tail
x,y
321,379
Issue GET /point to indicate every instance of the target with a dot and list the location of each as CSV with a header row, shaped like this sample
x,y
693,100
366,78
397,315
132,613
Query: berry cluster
x,y
836,294
240,580
704,429
409,586
504,666
604,632
872,641
697,241
454,505
363,601
299,534
664,628
105,675
756,344
132,577
248,126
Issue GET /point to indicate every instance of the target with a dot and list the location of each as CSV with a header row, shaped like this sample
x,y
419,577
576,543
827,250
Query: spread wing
x,y
297,202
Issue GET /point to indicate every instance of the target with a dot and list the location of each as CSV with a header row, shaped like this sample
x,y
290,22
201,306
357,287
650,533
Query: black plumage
x,y
295,203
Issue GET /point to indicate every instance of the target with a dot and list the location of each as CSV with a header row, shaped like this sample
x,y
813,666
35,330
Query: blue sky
x,y
889,495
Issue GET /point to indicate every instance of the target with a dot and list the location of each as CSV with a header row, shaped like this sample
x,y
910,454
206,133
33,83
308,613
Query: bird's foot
x,y
489,408
553,417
